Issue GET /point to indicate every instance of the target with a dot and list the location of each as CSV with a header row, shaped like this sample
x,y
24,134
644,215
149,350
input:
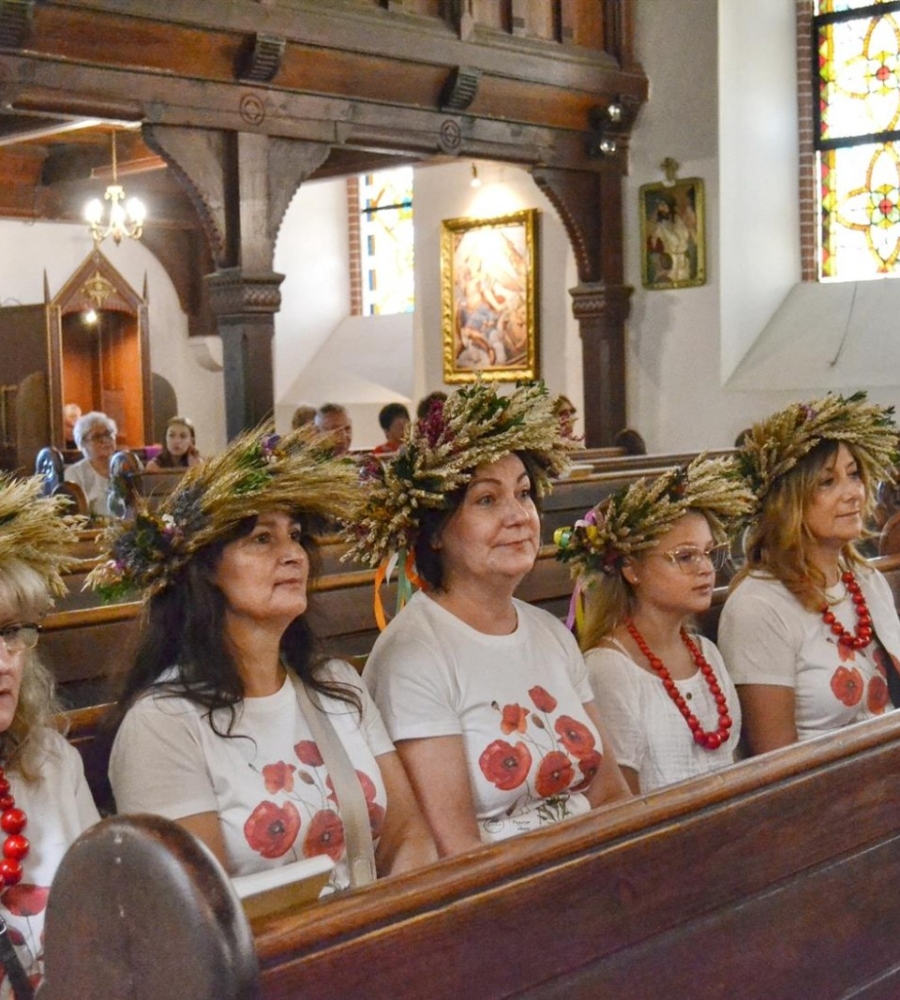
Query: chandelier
x,y
124,218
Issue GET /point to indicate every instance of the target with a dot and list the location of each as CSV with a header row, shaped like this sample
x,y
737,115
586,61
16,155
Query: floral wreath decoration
x,y
37,530
775,445
475,425
635,516
259,471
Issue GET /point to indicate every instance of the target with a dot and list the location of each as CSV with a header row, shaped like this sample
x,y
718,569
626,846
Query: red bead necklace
x,y
708,740
862,635
15,847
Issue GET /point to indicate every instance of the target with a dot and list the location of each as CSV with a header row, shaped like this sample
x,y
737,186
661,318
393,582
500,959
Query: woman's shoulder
x,y
336,669
757,586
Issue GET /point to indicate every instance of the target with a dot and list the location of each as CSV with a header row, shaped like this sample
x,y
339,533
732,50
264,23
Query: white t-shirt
x,y
93,484
59,808
266,781
647,731
517,701
767,637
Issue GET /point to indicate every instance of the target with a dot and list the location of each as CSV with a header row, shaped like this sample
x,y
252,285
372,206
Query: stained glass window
x,y
386,241
858,137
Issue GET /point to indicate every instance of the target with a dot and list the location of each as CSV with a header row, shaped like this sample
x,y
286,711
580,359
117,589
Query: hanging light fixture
x,y
124,219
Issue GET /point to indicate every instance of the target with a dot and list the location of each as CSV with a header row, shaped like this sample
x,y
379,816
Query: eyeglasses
x,y
100,436
19,636
690,560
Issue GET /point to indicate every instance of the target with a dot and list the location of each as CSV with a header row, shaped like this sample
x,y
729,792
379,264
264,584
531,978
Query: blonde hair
x,y
778,542
610,599
24,592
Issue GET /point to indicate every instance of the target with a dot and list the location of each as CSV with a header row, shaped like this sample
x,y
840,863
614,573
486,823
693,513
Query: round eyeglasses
x,y
100,436
690,560
19,636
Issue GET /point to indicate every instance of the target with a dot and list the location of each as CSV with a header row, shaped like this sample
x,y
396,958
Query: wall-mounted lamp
x,y
476,180
606,128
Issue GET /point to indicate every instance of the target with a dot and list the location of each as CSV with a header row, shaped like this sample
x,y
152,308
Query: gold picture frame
x,y
673,234
489,298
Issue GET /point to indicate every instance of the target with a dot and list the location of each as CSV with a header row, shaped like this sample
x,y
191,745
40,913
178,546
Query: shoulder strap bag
x,y
352,801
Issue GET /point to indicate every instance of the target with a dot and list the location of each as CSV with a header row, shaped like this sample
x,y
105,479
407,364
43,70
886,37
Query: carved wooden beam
x,y
460,89
261,59
16,19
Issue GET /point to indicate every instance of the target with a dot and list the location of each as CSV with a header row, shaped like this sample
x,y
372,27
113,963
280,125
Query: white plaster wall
x,y
28,249
444,191
759,214
312,253
706,362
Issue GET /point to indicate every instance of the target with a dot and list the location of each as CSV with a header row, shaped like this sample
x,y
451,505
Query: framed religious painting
x,y
489,297
673,236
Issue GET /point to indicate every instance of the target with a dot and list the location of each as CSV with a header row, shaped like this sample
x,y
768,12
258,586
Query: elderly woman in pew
x,y
229,721
810,632
45,803
95,435
486,697
646,561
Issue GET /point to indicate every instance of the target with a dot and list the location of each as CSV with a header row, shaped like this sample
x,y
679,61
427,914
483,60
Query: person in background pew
x,y
646,560
809,632
486,697
566,414
214,725
95,435
180,448
393,420
333,421
71,414
45,803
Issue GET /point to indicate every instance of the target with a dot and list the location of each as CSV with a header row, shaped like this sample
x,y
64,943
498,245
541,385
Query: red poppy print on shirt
x,y
574,736
543,700
877,697
847,685
25,899
589,765
279,777
308,753
515,719
505,765
325,835
271,829
554,775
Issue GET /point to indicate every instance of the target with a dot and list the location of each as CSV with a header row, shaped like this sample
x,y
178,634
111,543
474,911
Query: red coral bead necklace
x,y
862,634
15,847
707,739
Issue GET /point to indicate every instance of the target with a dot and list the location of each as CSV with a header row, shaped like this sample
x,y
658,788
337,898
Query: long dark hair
x,y
184,627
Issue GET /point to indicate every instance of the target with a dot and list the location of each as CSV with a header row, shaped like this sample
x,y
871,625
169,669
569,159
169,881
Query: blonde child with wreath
x,y
646,562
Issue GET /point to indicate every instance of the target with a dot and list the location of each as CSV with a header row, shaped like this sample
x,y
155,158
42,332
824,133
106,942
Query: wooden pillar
x,y
241,183
590,207
244,306
601,311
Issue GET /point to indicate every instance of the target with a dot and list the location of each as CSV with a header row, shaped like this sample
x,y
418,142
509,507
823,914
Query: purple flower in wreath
x,y
807,413
269,445
432,425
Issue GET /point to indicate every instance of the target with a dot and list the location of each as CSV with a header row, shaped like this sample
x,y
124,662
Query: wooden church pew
x,y
769,879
